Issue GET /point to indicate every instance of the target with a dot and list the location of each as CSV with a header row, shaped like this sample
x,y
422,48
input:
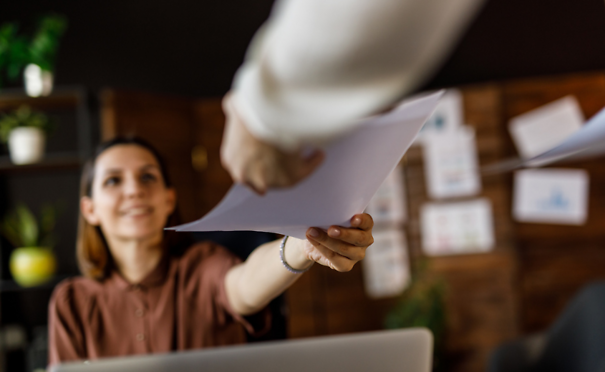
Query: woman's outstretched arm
x,y
253,284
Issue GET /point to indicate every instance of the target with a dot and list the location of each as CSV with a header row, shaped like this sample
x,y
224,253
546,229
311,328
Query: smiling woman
x,y
142,293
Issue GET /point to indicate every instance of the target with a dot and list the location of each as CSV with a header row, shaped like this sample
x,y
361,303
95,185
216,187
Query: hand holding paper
x,y
342,186
340,248
260,165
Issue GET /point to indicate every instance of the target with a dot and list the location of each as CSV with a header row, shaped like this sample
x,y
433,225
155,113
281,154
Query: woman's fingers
x,y
358,238
329,258
362,221
341,247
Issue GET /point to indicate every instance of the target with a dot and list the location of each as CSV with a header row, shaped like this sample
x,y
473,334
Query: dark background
x,y
194,47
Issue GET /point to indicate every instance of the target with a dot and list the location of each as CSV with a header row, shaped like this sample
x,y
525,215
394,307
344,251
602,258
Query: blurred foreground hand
x,y
257,164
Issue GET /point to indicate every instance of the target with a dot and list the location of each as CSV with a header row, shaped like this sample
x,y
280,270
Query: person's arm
x,y
317,66
253,284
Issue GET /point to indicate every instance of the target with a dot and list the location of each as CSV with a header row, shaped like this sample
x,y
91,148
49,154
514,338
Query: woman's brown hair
x,y
94,258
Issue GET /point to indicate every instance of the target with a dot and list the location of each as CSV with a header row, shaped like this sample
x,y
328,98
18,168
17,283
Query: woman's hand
x,y
340,248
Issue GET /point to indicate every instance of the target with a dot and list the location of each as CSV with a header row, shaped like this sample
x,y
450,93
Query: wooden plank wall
x,y
481,296
557,260
518,288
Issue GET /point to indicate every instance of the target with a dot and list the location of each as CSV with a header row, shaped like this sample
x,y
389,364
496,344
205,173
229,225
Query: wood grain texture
x,y
557,260
214,181
481,296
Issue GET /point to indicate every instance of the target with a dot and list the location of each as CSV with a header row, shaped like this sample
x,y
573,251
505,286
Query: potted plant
x,y
43,48
25,132
37,56
32,262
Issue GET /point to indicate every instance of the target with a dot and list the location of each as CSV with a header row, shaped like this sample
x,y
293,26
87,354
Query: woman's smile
x,y
136,211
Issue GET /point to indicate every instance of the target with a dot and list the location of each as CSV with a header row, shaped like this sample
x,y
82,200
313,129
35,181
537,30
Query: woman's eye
x,y
111,181
148,177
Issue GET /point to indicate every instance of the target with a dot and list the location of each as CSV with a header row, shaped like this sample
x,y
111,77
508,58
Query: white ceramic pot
x,y
37,81
26,145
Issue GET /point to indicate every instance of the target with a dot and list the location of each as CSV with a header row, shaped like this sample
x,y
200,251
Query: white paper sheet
x,y
542,129
460,227
386,268
448,116
450,163
354,167
388,205
551,196
588,142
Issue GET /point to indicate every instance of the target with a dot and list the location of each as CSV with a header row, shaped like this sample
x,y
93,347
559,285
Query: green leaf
x,y
10,230
28,225
48,218
43,47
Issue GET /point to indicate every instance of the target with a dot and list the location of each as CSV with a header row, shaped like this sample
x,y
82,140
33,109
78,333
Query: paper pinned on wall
x,y
451,164
388,205
458,227
386,268
448,115
354,168
544,128
558,196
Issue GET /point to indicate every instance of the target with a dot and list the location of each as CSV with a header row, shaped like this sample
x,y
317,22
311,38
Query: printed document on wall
x,y
388,205
558,196
451,165
447,116
546,127
386,267
459,227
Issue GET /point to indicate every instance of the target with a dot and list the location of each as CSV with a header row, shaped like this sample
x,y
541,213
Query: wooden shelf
x,y
12,286
63,161
63,97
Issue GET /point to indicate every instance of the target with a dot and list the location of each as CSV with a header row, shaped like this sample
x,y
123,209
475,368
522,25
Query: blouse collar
x,y
155,278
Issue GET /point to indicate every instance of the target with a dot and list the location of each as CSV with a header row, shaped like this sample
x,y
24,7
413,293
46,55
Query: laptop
x,y
408,350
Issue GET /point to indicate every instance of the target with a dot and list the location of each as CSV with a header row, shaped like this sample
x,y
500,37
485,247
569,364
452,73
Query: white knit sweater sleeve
x,y
318,65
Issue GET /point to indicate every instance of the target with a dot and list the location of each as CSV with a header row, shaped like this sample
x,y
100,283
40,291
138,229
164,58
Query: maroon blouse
x,y
180,305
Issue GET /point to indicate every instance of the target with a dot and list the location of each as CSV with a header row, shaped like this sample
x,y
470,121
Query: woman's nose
x,y
133,188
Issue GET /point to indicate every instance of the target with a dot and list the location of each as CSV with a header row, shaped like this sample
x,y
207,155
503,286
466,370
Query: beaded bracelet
x,y
283,258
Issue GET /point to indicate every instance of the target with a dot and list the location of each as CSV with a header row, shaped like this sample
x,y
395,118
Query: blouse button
x,y
139,313
140,336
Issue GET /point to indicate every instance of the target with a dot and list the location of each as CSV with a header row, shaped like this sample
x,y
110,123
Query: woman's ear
x,y
88,211
171,199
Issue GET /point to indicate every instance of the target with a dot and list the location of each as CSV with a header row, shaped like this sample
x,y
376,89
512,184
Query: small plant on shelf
x,y
35,56
32,262
25,132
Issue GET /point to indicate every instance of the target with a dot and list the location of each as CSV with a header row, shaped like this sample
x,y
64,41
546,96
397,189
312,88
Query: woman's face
x,y
129,198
